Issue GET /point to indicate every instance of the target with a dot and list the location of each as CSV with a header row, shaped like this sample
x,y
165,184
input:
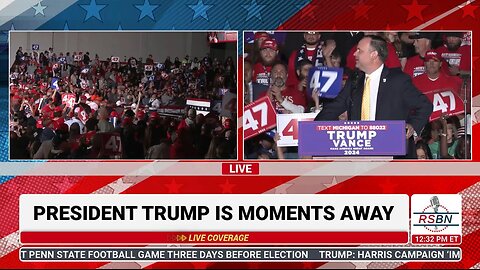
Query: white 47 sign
x,y
287,126
445,102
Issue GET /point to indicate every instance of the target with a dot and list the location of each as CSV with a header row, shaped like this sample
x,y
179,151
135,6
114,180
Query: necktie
x,y
365,115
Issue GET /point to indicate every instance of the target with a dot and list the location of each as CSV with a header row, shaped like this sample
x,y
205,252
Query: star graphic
x,y
39,9
12,27
227,187
331,184
200,10
65,26
469,10
299,58
119,186
227,25
119,27
415,10
173,187
253,10
361,10
282,189
93,10
146,10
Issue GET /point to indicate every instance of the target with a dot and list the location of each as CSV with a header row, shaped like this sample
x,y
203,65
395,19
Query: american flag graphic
x,y
205,177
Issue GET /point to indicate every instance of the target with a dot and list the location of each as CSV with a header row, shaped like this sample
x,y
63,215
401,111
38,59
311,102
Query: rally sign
x,y
68,99
111,143
258,117
287,126
200,105
327,80
148,68
115,59
351,138
54,84
445,102
35,47
77,57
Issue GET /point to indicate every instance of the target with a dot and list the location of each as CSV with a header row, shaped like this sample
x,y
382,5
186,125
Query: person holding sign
x,y
434,78
285,99
380,94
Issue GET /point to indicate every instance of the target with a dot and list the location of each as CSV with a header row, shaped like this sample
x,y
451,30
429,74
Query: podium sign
x,y
351,138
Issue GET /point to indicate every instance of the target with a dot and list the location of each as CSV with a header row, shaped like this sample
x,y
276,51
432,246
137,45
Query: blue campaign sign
x,y
35,47
54,83
327,80
351,138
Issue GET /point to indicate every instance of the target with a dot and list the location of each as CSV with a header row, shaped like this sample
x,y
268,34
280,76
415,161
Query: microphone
x,y
435,203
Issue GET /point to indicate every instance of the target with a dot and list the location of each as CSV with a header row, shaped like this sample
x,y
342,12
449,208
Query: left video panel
x,y
122,95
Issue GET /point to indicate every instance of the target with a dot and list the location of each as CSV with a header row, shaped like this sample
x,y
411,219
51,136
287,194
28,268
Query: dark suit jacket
x,y
397,99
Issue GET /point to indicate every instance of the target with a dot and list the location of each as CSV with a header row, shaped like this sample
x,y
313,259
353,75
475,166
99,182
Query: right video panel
x,y
357,95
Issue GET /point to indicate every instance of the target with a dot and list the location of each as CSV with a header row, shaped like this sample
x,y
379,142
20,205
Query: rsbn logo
x,y
435,217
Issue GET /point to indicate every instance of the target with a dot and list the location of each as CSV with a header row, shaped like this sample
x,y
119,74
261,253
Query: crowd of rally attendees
x,y
74,105
434,60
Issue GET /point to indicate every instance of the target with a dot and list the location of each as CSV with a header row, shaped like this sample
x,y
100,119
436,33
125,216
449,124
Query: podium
x,y
352,139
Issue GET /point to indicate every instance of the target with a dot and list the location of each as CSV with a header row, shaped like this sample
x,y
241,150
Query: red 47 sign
x,y
258,117
68,99
287,127
445,102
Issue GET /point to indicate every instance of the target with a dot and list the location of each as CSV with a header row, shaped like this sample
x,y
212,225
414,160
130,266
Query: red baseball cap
x,y
227,124
154,115
140,114
269,44
114,114
261,34
432,55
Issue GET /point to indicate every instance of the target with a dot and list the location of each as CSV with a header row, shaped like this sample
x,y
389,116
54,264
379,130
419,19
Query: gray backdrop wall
x,y
118,43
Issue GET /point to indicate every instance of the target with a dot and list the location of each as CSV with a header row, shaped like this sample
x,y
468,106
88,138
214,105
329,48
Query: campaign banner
x,y
328,81
258,116
445,102
287,126
351,138
68,99
200,105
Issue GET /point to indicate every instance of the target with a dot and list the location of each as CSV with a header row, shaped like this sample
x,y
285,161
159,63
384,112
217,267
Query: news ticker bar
x,y
240,254
379,167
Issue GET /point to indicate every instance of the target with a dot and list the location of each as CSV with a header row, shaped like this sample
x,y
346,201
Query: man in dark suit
x,y
379,93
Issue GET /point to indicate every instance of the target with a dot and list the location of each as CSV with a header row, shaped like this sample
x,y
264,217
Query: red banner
x,y
445,102
214,237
